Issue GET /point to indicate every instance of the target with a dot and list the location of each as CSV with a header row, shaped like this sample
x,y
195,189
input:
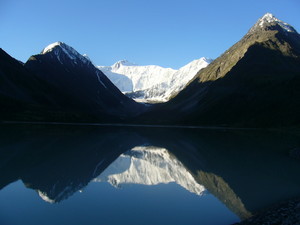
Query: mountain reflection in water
x,y
245,170
149,165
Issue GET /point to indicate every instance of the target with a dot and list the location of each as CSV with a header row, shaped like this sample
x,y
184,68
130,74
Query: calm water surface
x,y
106,175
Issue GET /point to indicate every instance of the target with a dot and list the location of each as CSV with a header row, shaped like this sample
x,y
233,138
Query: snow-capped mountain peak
x,y
123,62
268,17
58,47
51,47
151,82
270,20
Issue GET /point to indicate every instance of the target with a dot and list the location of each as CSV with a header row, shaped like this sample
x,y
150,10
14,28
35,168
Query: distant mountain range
x,y
152,83
255,83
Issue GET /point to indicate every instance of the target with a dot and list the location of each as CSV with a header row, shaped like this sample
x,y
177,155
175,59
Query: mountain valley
x,y
255,83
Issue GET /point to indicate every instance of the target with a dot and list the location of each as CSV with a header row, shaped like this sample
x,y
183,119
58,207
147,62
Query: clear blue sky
x,y
169,33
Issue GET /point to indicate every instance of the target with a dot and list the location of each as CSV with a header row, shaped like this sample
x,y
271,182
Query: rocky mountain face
x,y
151,83
61,84
254,83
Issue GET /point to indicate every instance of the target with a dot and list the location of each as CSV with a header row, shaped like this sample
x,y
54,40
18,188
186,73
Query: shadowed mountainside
x,y
253,84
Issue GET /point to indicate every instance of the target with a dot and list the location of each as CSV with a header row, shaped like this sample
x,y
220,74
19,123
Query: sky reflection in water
x,y
142,176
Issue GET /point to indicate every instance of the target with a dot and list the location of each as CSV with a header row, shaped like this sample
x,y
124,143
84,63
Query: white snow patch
x,y
99,79
45,197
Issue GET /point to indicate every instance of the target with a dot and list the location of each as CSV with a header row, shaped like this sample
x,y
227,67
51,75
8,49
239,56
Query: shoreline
x,y
131,125
287,213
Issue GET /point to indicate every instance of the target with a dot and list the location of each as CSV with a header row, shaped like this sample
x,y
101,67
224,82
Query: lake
x,y
68,174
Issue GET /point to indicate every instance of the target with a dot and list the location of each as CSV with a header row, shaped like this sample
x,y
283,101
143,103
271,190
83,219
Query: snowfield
x,y
151,82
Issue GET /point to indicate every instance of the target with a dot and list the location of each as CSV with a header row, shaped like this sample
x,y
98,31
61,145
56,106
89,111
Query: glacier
x,y
152,83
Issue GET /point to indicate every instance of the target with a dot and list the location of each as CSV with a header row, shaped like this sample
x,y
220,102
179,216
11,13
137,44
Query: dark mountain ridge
x,y
254,83
86,87
20,90
60,85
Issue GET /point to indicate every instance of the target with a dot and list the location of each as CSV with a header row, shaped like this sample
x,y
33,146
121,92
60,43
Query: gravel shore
x,y
286,213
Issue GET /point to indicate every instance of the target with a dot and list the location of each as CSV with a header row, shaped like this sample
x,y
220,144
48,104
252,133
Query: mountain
x,y
20,90
81,88
142,77
149,165
151,83
254,83
122,82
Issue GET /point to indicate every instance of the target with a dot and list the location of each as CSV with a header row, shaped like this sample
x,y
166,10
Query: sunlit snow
x,y
269,18
69,51
155,82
